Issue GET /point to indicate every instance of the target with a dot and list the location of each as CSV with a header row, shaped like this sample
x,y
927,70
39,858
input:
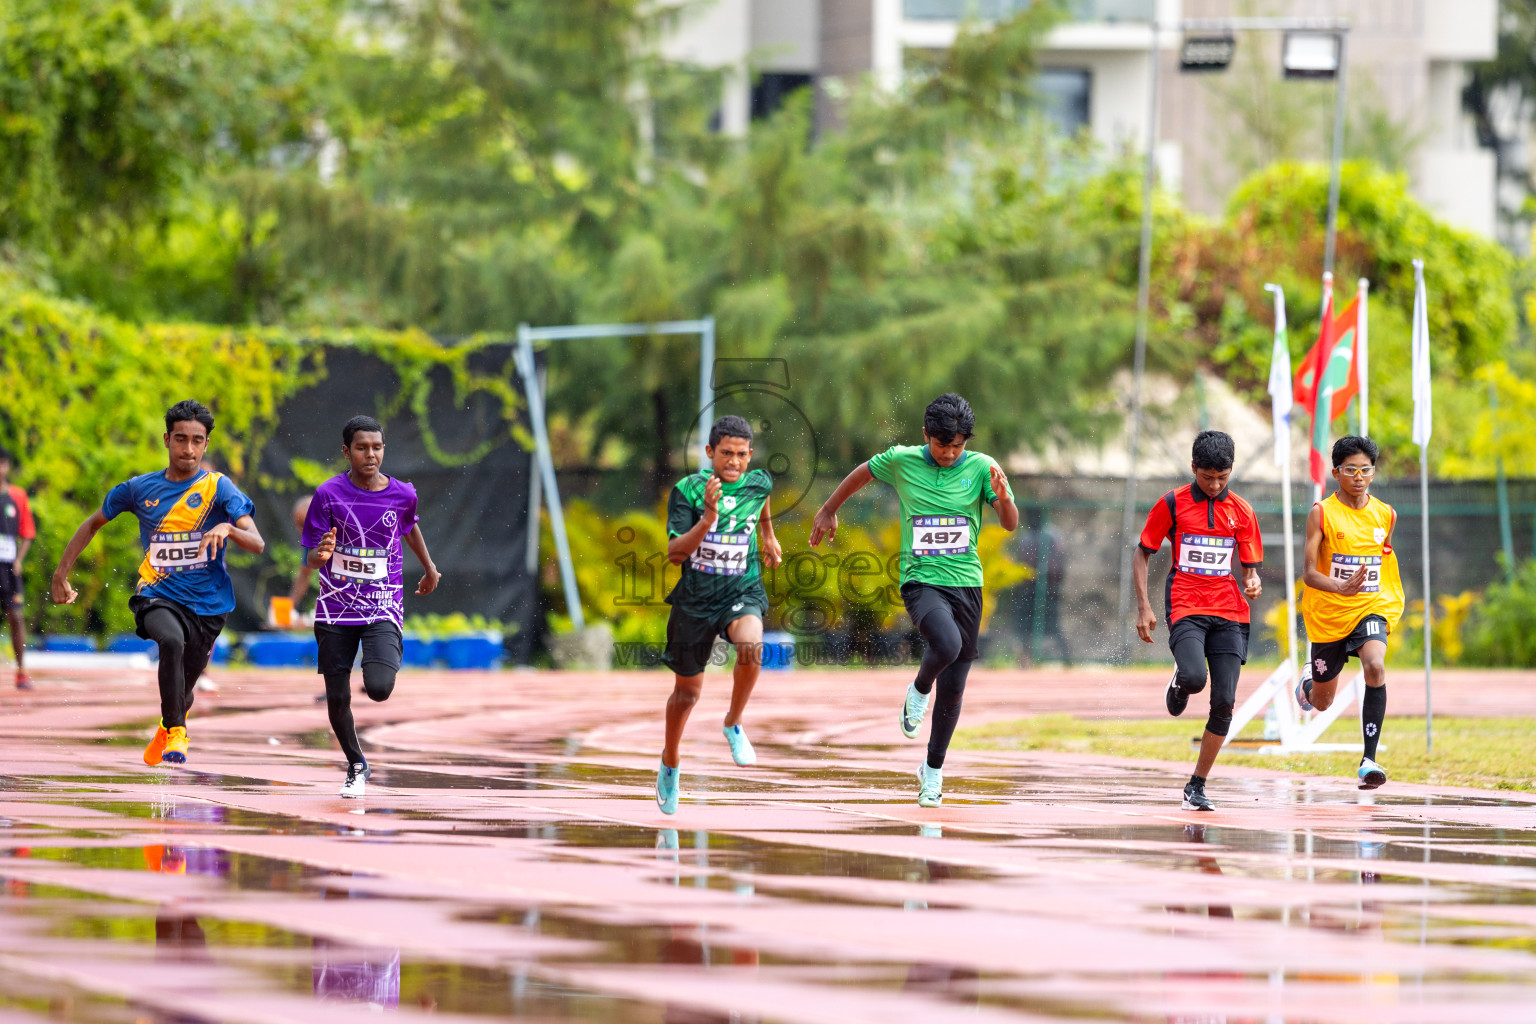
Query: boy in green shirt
x,y
941,488
714,518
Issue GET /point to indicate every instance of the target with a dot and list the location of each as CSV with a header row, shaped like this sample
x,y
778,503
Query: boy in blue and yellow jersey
x,y
1354,595
185,514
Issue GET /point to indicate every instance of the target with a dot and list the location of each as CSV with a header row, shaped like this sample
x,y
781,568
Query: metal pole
x,y
535,499
1363,360
1143,300
706,383
1429,708
525,366
1506,531
1042,589
1338,152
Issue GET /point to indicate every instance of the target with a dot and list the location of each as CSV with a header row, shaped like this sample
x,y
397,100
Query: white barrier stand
x,y
1306,736
1296,736
1275,688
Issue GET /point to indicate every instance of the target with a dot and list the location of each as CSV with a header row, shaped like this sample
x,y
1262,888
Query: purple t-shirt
x,y
364,581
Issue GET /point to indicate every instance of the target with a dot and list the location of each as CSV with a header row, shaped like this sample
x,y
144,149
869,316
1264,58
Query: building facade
x,y
1410,57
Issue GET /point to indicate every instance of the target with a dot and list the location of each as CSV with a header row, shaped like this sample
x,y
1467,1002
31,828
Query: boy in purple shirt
x,y
352,535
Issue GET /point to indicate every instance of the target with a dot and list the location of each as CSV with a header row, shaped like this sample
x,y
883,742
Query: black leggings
x,y
941,665
378,682
182,660
1191,658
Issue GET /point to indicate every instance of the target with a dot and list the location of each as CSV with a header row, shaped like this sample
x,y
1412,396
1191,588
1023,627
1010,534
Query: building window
x,y
1064,95
773,88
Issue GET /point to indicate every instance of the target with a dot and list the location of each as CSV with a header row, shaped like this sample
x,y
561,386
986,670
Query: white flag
x,y
1423,418
1280,381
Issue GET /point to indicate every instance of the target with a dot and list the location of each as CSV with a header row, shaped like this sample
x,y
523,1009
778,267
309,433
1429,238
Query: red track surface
x,y
509,861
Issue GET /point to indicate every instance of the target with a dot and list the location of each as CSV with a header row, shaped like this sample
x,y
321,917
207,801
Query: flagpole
x,y
1283,456
1362,359
1423,426
1319,402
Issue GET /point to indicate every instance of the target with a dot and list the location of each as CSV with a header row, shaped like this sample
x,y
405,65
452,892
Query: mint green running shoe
x,y
930,786
741,747
913,710
666,789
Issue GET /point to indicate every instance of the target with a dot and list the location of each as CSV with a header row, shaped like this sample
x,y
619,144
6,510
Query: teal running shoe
x,y
1372,775
666,789
741,747
930,786
913,710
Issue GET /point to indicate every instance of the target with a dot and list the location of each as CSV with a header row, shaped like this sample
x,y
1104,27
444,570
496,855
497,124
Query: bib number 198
x,y
361,564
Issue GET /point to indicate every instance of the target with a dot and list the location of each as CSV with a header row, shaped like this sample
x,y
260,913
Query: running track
x,y
509,862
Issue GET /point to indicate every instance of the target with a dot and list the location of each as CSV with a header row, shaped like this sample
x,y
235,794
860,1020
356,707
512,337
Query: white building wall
x,y
719,35
786,35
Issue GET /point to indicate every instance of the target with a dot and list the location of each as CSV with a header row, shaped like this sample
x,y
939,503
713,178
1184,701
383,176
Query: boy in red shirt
x,y
1213,531
16,533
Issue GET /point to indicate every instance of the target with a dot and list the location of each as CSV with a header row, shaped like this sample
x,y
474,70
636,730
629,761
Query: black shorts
x,y
691,640
10,587
1328,659
202,630
964,603
1220,636
338,643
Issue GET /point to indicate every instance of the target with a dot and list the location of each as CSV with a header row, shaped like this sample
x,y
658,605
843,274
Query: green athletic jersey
x,y
940,512
725,570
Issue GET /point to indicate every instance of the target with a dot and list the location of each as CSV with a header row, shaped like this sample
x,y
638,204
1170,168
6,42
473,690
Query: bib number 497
x,y
940,535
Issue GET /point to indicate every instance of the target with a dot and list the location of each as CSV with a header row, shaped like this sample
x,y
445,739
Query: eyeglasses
x,y
1365,472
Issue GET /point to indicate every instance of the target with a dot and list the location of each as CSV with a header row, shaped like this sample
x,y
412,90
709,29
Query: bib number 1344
x,y
940,535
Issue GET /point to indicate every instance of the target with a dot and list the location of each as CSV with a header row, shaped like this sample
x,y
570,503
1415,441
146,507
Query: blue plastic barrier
x,y
478,650
69,644
778,651
419,651
281,650
221,650
129,643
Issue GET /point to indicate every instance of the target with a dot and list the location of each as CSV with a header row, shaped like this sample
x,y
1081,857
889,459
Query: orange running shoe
x,y
175,746
156,746
23,681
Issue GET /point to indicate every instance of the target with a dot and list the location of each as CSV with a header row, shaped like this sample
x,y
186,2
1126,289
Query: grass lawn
x,y
1491,753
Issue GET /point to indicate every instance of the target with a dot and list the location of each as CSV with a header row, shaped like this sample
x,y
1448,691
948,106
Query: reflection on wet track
x,y
509,862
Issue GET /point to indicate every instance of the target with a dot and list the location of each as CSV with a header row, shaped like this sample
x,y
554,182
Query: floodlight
x,y
1310,54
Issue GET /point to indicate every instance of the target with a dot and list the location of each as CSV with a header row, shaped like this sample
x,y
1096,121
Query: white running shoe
x,y
357,780
930,786
1371,774
913,710
741,747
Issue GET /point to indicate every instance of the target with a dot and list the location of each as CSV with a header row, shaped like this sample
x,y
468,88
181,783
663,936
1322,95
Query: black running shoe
x,y
1176,699
1195,799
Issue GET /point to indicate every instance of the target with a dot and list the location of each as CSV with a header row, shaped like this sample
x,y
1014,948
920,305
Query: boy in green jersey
x,y
941,488
714,518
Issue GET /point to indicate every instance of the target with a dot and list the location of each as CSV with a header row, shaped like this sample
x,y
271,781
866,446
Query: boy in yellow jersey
x,y
1354,595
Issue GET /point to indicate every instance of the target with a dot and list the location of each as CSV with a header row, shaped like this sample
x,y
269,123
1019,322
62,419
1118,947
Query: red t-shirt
x,y
15,522
1211,538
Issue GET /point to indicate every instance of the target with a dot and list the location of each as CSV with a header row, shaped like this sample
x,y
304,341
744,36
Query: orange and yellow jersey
x,y
173,515
1353,537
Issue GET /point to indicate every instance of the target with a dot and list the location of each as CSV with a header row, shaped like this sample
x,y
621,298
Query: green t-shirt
x,y
940,512
725,570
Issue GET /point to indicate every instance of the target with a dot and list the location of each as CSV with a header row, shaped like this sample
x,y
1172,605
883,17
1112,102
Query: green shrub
x,y
1502,631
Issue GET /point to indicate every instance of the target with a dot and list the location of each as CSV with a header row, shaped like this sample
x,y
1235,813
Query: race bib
x,y
722,554
1345,566
941,535
1206,556
366,565
178,552
7,548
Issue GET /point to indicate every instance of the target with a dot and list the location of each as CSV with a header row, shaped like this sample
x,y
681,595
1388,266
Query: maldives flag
x,y
1328,378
